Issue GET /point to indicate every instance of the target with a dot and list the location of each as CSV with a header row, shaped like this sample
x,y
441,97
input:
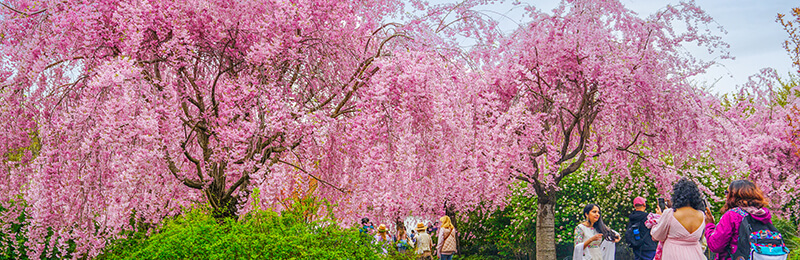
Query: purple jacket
x,y
726,232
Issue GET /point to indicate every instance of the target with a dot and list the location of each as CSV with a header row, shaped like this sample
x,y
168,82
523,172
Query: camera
x,y
662,204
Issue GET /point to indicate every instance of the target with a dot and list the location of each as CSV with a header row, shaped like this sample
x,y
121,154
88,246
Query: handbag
x,y
453,230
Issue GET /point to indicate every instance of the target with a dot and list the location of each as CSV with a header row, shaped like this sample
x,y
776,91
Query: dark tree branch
x,y
21,12
245,177
61,61
198,96
312,176
174,170
366,46
574,166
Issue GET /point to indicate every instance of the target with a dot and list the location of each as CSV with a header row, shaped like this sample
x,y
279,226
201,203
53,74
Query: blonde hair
x,y
446,223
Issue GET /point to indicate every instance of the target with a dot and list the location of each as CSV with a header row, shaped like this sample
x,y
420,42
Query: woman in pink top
x,y
681,227
741,198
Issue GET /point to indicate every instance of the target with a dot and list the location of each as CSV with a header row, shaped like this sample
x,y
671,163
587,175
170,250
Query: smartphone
x,y
662,204
705,203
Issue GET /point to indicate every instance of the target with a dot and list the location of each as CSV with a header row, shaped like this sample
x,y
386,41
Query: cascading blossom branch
x,y
595,86
145,107
129,111
417,147
758,123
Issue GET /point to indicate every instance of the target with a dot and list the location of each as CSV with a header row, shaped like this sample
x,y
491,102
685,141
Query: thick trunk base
x,y
545,230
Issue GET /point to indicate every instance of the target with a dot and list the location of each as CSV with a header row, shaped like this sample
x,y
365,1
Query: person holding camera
x,y
742,198
681,227
652,220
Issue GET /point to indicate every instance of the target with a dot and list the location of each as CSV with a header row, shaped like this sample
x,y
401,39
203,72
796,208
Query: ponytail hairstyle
x,y
599,226
744,193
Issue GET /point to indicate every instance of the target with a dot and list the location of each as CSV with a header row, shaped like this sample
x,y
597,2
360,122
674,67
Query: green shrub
x,y
13,239
258,235
790,236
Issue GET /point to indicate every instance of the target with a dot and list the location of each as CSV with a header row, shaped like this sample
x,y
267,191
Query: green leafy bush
x,y
13,239
258,235
499,234
790,236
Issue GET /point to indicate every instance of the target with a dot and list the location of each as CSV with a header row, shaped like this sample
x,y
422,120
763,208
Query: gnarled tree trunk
x,y
545,226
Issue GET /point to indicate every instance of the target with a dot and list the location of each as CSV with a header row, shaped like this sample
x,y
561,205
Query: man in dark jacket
x,y
637,235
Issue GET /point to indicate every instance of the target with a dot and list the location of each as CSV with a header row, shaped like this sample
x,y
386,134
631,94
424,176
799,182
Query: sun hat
x,y
382,228
420,227
639,201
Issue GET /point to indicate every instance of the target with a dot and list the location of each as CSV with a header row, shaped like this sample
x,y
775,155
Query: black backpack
x,y
635,235
758,240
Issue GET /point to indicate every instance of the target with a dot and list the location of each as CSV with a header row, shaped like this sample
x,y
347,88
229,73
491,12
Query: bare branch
x,y
61,61
378,30
245,177
174,170
568,137
571,168
214,104
315,177
199,101
378,53
196,162
337,111
21,12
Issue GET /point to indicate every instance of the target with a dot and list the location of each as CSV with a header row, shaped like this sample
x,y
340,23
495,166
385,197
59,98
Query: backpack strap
x,y
740,211
744,215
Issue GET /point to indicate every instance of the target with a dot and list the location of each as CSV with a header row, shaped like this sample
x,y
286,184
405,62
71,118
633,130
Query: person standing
x,y
446,243
367,228
742,198
638,234
593,239
681,227
423,243
652,220
383,238
403,241
432,228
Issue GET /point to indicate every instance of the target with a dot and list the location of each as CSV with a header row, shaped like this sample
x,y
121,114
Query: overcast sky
x,y
754,36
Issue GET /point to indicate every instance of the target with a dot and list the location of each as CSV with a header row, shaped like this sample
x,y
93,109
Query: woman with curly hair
x,y
681,227
593,239
741,198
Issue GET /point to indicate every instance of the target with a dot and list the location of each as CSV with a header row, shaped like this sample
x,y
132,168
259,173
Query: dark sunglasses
x,y
726,193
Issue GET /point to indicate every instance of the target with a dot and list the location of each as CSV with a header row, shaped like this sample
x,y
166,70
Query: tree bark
x,y
545,227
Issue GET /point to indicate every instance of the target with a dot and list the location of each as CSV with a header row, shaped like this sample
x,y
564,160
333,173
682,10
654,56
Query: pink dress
x,y
652,220
679,243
